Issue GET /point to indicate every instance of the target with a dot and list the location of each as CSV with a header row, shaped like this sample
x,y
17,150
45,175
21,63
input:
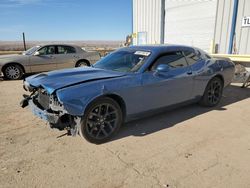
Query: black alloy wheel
x,y
102,120
213,93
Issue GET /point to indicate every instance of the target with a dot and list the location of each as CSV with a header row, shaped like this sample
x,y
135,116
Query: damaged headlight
x,y
55,105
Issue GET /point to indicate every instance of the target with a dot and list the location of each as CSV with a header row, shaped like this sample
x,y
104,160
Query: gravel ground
x,y
188,147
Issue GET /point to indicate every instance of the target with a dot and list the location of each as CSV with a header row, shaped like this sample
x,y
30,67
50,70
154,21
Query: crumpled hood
x,y
54,80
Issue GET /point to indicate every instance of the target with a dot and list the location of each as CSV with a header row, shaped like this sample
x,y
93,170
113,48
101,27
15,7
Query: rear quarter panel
x,y
205,70
227,70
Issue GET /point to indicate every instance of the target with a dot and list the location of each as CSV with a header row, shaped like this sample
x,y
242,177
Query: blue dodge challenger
x,y
126,84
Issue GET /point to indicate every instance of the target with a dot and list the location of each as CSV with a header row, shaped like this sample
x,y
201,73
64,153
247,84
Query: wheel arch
x,y
220,77
120,101
13,63
84,60
113,96
204,99
208,81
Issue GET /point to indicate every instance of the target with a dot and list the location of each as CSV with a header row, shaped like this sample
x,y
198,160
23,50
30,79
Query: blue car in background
x,y
127,84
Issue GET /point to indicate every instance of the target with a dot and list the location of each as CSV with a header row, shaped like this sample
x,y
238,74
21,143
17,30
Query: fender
x,y
76,98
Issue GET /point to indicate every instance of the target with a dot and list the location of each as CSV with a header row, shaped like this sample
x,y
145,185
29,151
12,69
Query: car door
x,y
44,60
175,86
65,56
198,66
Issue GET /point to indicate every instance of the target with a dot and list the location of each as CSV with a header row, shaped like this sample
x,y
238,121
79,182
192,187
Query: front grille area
x,y
43,99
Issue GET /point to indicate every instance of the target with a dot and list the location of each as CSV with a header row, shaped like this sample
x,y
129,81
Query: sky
x,y
65,19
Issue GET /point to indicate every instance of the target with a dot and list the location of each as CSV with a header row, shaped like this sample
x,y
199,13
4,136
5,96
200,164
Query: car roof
x,y
57,44
161,47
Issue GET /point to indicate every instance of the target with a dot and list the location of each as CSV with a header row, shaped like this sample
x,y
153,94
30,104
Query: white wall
x,y
223,27
187,22
190,22
147,17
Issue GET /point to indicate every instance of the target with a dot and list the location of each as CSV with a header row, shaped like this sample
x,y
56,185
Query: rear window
x,y
191,57
204,54
66,49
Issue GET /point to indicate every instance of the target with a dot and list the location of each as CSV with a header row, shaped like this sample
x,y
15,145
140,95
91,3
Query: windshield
x,y
123,61
31,50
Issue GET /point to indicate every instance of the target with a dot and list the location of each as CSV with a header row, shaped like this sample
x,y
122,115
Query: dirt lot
x,y
188,147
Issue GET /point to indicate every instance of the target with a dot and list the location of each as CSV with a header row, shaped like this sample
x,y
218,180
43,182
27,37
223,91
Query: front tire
x,y
13,72
101,121
213,93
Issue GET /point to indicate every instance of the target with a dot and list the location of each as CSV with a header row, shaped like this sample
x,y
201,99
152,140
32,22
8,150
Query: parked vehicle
x,y
124,85
45,58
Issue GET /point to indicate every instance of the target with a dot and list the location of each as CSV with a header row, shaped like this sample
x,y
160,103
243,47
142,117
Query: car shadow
x,y
167,119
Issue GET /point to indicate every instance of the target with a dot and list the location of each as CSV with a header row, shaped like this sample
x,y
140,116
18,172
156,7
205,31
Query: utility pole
x,y
24,43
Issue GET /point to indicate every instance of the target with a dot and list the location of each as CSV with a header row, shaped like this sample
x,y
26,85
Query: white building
x,y
223,23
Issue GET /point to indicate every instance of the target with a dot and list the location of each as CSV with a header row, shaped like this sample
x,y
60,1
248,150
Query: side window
x,y
174,60
66,50
47,50
191,57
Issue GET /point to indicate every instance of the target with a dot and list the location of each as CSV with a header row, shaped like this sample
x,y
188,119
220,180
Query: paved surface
x,y
188,147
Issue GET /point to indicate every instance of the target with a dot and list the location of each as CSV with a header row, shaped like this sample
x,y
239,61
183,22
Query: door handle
x,y
189,72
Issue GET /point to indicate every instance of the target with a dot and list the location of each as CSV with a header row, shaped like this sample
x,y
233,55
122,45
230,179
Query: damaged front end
x,y
47,107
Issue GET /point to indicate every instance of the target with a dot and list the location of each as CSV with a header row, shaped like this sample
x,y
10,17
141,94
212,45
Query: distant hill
x,y
87,44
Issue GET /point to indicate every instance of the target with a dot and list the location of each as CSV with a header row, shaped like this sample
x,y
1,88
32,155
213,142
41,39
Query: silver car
x,y
45,58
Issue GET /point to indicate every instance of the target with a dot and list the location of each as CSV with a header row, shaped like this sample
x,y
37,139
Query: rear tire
x,y
13,72
213,93
101,121
82,63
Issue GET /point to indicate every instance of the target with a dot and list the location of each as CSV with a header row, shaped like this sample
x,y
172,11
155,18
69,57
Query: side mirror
x,y
162,68
36,53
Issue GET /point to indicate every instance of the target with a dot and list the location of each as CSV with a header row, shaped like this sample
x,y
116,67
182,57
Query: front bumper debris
x,y
25,101
43,114
60,121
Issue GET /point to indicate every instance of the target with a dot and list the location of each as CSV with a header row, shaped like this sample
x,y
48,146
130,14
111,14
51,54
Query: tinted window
x,y
191,57
47,50
173,60
66,50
